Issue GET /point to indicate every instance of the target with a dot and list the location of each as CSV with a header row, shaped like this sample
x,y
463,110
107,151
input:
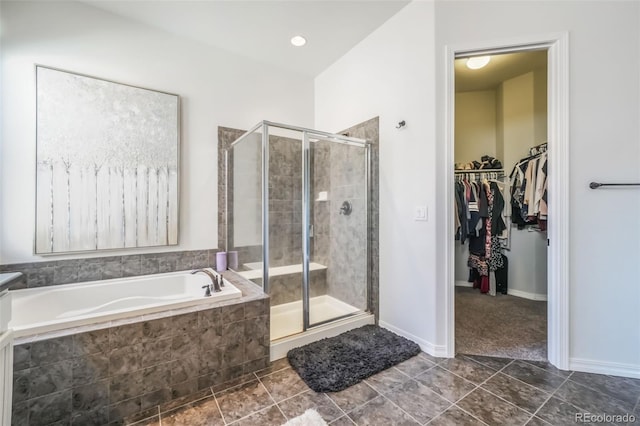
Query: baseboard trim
x,y
512,292
428,347
603,367
527,295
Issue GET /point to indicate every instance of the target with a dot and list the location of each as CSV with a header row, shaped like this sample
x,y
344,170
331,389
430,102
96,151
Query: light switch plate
x,y
420,214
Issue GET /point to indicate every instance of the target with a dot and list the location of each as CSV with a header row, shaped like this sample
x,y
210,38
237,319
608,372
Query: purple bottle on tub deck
x,y
221,261
232,260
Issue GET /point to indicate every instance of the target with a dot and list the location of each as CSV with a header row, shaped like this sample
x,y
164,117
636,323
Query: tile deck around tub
x,y
466,390
119,375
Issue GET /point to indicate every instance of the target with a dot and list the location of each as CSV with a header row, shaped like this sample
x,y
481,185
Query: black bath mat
x,y
335,363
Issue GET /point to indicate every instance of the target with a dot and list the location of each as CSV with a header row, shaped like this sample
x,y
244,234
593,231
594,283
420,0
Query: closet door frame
x,y
558,320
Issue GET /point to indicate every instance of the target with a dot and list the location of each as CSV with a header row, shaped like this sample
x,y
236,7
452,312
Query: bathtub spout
x,y
215,285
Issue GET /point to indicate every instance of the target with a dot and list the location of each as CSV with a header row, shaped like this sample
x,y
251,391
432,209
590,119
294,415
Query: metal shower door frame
x,y
307,134
306,219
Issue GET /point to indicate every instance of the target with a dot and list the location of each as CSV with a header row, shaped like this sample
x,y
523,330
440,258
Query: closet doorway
x,y
500,174
558,273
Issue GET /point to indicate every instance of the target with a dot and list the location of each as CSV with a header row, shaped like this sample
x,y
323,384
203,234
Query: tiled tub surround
x,y
53,272
11,280
38,310
120,371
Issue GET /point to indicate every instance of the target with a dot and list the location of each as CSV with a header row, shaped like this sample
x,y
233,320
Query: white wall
x,y
522,125
528,264
518,120
604,109
540,105
475,125
391,74
217,88
500,125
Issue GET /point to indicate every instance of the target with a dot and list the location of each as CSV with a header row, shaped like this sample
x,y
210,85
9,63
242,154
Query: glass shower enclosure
x,y
298,216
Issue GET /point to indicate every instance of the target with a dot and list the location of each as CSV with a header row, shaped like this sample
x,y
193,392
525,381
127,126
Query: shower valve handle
x,y
345,209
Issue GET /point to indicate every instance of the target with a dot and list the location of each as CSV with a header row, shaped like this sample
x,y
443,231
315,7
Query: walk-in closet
x,y
501,205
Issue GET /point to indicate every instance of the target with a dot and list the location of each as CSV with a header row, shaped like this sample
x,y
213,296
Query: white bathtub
x,y
46,309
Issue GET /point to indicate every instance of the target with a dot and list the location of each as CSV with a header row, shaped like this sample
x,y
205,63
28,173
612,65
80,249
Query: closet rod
x,y
480,171
596,185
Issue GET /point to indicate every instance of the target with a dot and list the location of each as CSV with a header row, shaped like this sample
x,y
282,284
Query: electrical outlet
x,y
420,214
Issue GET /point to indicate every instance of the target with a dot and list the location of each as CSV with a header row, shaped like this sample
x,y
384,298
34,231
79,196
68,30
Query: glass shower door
x,y
285,233
337,222
244,205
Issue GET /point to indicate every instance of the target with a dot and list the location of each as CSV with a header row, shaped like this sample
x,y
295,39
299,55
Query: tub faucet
x,y
215,285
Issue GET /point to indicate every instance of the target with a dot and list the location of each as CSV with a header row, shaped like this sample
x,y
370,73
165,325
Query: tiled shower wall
x,y
340,241
347,272
285,201
53,272
288,287
369,130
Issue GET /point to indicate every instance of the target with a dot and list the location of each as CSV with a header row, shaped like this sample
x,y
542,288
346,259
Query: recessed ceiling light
x,y
478,62
298,41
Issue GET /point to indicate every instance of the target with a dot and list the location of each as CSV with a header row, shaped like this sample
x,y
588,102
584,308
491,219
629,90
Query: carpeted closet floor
x,y
502,326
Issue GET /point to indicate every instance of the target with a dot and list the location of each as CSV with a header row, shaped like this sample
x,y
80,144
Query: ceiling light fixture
x,y
478,62
298,41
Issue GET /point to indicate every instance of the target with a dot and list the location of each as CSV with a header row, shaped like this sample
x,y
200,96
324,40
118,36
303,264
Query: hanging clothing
x,y
541,179
479,207
485,210
529,189
505,214
462,210
497,222
502,276
528,192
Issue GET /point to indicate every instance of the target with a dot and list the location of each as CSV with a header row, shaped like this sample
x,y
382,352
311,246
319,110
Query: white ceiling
x,y
500,68
261,30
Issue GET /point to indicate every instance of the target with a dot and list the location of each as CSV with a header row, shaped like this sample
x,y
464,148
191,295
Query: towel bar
x,y
596,185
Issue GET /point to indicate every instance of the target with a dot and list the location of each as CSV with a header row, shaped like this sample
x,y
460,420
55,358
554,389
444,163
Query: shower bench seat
x,y
255,270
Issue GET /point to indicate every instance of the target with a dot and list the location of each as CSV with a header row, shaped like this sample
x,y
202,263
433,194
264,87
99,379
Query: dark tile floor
x,y
466,390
